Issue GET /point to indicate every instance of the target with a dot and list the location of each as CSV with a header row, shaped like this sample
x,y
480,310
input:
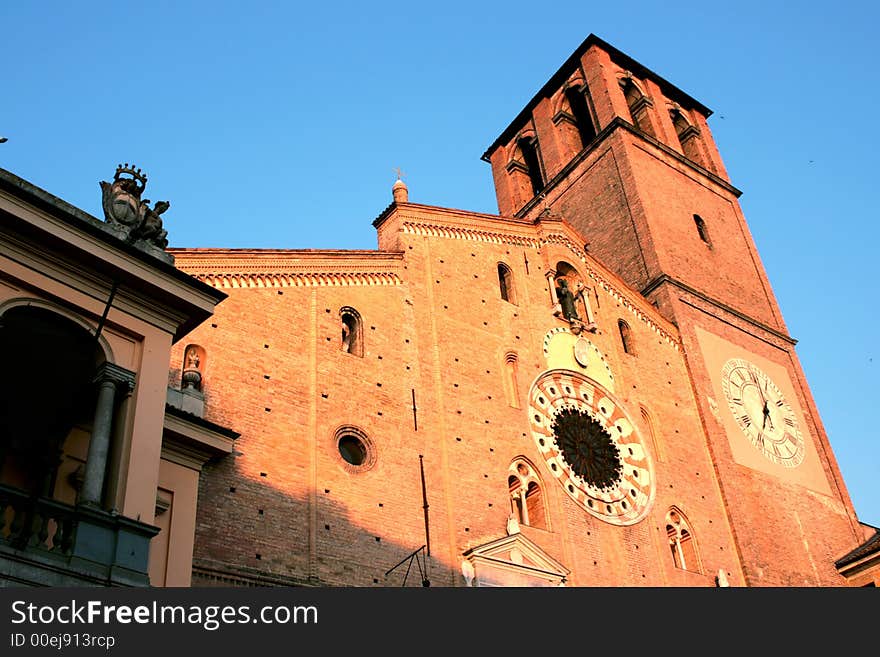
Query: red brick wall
x,y
446,340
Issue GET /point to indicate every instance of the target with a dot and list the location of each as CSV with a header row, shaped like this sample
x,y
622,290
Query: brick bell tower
x,y
628,160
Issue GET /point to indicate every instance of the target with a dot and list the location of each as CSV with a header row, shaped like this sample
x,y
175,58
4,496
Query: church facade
x,y
594,387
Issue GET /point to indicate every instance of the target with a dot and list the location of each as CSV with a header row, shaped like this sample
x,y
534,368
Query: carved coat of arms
x,y
124,208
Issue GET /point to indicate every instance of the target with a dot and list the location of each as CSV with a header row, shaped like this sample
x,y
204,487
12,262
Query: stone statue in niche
x,y
192,374
192,359
124,209
566,301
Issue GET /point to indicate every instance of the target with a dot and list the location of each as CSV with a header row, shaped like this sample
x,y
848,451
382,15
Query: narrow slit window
x,y
626,337
702,231
510,380
505,283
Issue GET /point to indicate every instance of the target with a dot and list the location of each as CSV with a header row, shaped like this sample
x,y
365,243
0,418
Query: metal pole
x,y
106,310
425,507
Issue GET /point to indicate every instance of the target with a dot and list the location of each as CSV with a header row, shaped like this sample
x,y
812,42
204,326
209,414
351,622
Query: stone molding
x,y
123,379
279,269
473,235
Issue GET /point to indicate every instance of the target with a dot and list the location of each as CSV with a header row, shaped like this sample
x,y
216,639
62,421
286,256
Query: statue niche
x,y
193,367
571,301
124,209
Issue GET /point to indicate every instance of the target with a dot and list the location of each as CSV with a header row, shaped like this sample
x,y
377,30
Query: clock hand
x,y
767,415
760,388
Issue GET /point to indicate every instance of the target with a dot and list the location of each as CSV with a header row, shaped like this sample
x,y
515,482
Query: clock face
x,y
762,412
592,448
582,350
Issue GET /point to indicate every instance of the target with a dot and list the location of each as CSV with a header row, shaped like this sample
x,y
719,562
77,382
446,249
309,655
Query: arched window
x,y
352,331
505,283
638,104
526,495
626,338
528,146
580,110
510,379
687,135
702,231
682,544
517,508
535,505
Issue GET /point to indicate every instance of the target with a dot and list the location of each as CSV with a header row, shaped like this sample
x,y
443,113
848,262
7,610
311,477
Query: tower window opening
x,y
529,149
580,110
687,136
638,105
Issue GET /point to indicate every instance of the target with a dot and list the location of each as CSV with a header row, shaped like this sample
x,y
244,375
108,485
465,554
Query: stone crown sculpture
x,y
124,209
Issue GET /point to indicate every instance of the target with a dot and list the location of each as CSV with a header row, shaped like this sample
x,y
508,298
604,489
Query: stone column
x,y
109,379
551,282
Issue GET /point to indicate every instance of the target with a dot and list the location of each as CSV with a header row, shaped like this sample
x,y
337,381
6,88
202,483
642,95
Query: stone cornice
x,y
714,303
270,268
436,229
191,442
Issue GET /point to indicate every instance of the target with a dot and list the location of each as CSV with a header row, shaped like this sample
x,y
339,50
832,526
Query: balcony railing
x,y
44,542
39,523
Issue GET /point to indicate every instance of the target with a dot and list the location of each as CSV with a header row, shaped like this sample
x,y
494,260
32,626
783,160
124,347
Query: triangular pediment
x,y
512,560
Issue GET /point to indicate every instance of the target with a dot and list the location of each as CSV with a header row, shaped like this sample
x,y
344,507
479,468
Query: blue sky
x,y
275,124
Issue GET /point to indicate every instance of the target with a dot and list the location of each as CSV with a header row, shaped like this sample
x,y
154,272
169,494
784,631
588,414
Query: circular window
x,y
587,448
354,448
592,447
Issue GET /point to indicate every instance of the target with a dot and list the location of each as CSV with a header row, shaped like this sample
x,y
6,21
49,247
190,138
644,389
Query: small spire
x,y
399,190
